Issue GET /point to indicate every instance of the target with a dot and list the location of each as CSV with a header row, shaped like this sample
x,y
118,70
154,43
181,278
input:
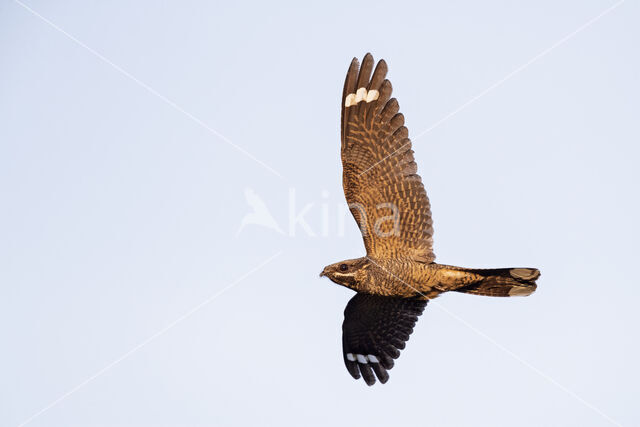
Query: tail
x,y
502,282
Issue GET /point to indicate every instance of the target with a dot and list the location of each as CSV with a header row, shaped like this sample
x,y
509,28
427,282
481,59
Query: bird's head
x,y
350,273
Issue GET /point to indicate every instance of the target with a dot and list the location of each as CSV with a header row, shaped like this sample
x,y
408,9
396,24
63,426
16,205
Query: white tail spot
x,y
520,291
524,273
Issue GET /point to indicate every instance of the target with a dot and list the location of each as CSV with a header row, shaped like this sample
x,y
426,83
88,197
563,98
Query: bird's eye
x,y
344,267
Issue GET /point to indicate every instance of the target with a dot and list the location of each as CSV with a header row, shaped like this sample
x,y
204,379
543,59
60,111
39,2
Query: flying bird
x,y
398,275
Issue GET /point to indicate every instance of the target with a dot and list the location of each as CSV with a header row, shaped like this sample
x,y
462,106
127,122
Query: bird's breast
x,y
406,278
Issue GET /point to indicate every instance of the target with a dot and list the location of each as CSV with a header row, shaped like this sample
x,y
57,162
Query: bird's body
x,y
386,196
407,278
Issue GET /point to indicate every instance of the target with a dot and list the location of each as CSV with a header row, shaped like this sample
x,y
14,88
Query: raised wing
x,y
384,192
374,330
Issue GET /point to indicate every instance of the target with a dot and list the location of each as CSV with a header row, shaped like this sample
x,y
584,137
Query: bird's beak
x,y
322,273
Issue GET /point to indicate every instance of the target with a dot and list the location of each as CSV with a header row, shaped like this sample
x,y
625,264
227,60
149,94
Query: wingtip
x,y
367,61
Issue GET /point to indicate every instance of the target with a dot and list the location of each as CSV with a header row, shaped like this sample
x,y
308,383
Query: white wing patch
x,y
372,95
362,358
361,95
350,100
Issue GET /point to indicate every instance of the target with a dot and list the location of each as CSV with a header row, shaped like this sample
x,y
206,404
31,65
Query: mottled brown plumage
x,y
390,205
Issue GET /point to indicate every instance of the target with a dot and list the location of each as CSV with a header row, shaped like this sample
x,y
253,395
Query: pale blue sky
x,y
123,183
